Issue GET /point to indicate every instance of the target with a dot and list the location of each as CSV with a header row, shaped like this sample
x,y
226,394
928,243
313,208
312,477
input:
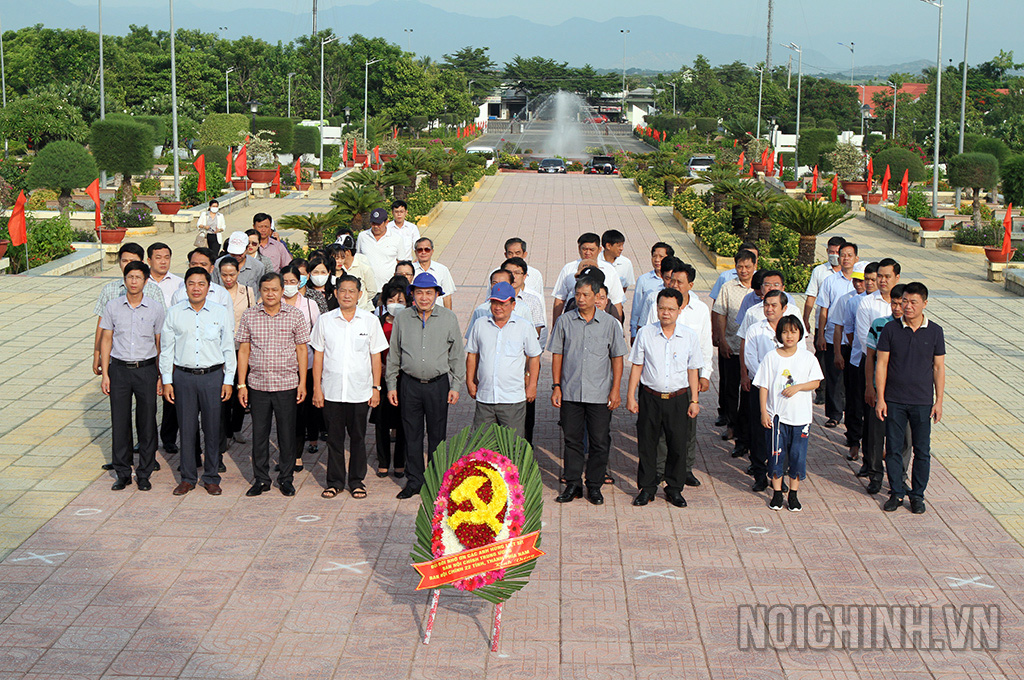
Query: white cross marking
x,y
349,567
663,574
957,582
36,556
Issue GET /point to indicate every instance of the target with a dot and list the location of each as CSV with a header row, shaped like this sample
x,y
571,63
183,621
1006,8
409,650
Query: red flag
x,y
93,190
835,188
1007,226
200,165
764,157
394,134
242,161
277,181
743,159
227,168
782,164
871,173
751,170
17,228
814,180
770,169
355,149
376,155
885,184
458,133
734,143
904,187
298,172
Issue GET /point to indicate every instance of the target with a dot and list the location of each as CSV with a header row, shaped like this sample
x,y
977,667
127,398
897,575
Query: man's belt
x,y
133,364
421,380
665,395
199,371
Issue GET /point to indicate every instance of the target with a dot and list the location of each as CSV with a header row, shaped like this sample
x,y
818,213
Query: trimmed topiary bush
x,y
872,142
62,166
305,140
281,131
1012,171
899,160
222,129
974,170
706,126
122,147
813,144
996,147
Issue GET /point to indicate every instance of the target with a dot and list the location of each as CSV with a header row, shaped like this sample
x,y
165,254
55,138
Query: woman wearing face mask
x,y
386,417
346,261
242,298
309,419
319,287
212,223
253,250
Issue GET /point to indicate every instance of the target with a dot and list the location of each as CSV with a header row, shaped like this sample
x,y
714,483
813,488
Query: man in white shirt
x,y
347,344
159,256
666,361
842,346
589,246
647,282
614,242
516,247
424,263
834,287
381,246
409,232
818,276
204,257
770,280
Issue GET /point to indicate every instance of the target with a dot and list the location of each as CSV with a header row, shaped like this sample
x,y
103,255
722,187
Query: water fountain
x,y
563,125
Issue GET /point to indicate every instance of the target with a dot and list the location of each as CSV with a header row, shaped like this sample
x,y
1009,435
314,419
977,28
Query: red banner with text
x,y
460,565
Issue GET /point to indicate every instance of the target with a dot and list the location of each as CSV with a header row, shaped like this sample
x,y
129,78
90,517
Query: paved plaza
x,y
101,584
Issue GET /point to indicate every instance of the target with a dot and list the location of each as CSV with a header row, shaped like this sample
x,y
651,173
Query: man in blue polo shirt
x,y
910,372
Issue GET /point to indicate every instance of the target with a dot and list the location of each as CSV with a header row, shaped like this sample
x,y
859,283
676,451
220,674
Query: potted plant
x,y
873,199
789,178
919,210
3,247
168,207
242,184
809,220
995,254
848,162
116,221
977,171
262,152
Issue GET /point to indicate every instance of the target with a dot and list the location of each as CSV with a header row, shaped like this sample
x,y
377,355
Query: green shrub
x,y
898,160
305,139
47,241
213,154
575,166
115,217
986,212
215,186
996,147
1012,171
534,165
122,147
871,142
987,234
38,199
813,144
281,130
149,186
222,129
828,123
706,126
917,206
63,166
973,170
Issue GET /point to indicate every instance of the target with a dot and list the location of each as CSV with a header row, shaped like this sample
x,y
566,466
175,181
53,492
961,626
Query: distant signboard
x,y
610,109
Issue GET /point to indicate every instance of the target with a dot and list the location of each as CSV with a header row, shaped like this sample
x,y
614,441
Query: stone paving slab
x,y
105,585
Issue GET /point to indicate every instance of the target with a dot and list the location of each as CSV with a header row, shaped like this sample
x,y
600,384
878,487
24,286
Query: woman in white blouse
x,y
212,223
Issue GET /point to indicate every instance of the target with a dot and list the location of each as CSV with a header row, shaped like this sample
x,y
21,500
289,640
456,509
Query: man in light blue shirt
x,y
502,363
197,363
648,281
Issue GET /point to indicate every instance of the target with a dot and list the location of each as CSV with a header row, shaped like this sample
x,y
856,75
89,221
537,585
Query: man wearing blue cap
x,y
501,349
425,365
381,246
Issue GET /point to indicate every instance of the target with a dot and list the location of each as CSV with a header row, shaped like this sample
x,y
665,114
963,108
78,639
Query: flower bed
x,y
423,200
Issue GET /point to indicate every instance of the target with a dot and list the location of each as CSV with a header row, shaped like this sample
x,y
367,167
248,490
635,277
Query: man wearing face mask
x,y
249,270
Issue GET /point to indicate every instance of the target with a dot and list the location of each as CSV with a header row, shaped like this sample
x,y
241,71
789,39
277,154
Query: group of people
x,y
363,331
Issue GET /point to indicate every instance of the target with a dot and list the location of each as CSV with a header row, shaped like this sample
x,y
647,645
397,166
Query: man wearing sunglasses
x,y
424,251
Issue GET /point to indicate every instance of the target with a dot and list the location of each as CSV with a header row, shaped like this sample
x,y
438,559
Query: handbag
x,y
200,241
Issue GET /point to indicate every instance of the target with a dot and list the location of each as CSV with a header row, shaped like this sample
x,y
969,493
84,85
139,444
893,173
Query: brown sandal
x,y
328,493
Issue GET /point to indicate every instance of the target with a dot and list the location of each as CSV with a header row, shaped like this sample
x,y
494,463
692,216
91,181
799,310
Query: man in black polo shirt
x,y
910,372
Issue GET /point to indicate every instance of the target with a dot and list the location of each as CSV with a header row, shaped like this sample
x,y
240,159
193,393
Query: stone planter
x,y
111,236
168,207
790,184
325,174
241,184
873,199
812,196
995,254
3,247
261,174
854,188
932,223
304,186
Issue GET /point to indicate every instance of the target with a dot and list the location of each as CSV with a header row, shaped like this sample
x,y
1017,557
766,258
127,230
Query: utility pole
x,y
174,110
314,18
624,32
789,73
963,92
103,99
768,52
3,83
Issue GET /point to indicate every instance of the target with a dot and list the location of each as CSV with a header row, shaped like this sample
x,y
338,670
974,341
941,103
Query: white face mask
x,y
214,209
318,279
395,307
291,290
833,259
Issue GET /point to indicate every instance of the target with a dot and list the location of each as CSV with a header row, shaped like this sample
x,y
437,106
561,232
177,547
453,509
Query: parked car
x,y
599,119
601,165
552,165
698,164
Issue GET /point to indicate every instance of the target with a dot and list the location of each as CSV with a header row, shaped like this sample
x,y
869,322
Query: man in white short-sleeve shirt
x,y
424,263
589,246
614,243
832,289
381,246
409,232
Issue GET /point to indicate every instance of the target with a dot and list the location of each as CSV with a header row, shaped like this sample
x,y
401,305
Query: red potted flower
x,y
168,207
325,174
995,254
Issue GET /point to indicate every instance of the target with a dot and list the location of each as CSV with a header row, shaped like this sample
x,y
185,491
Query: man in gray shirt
x,y
426,364
587,347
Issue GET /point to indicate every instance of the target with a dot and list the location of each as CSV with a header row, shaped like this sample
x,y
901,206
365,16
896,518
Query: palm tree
x,y
365,177
355,203
758,203
809,219
717,175
314,224
433,163
400,175
453,164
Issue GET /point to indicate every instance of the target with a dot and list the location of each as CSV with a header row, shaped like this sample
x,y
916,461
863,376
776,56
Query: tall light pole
x,y
938,110
895,89
174,109
366,95
227,91
3,79
849,47
469,85
408,39
799,84
624,32
673,99
320,122
760,92
103,98
290,93
963,91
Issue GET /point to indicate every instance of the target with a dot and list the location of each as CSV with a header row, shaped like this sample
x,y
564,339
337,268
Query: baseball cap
x,y
502,292
347,242
858,270
238,242
379,216
424,280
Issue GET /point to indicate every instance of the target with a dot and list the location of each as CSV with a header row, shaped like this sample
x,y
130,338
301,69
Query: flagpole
x,y
174,110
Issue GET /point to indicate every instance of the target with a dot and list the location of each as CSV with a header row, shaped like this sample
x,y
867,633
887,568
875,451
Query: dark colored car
x,y
601,165
552,165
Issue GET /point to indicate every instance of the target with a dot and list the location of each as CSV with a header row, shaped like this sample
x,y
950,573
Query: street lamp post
x,y
624,32
938,110
320,122
290,93
673,99
227,91
3,79
849,47
963,92
103,98
366,95
895,89
253,107
174,110
799,85
469,85
408,39
760,92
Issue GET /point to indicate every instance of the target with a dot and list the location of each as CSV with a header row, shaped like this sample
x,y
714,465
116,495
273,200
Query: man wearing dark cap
x,y
426,363
502,348
381,246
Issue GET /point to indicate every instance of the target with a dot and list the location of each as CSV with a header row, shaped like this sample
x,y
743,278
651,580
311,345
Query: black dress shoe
x,y
107,466
221,468
874,487
675,498
749,470
739,451
595,496
288,489
917,505
863,472
893,504
144,485
257,488
170,448
691,480
570,493
407,492
156,467
721,421
760,485
643,498
120,484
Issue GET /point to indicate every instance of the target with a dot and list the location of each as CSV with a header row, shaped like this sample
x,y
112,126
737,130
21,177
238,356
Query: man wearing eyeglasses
x,y
424,248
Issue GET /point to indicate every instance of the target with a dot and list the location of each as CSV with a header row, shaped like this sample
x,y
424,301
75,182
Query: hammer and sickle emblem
x,y
482,513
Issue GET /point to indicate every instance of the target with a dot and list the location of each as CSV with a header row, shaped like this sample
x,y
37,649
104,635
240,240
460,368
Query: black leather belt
x,y
420,380
133,364
199,371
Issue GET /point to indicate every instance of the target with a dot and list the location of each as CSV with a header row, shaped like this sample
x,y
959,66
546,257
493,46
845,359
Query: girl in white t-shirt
x,y
787,378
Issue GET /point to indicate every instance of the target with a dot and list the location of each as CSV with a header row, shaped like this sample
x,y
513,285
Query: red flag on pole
x,y
277,181
394,133
734,143
93,190
298,172
200,165
904,187
355,149
242,161
1007,227
782,164
742,161
769,170
751,170
835,188
764,157
871,173
227,168
16,226
885,184
376,155
814,180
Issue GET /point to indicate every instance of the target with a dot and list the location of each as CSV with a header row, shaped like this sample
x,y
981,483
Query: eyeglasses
x,y
424,250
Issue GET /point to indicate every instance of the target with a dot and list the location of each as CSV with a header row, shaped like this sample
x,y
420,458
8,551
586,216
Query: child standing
x,y
787,379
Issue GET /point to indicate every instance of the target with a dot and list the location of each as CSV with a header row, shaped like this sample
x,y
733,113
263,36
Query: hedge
x,y
281,129
813,144
47,241
898,161
222,129
1013,179
305,140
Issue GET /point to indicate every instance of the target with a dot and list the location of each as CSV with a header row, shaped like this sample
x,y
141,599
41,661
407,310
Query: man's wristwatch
x,y
377,387
554,385
241,386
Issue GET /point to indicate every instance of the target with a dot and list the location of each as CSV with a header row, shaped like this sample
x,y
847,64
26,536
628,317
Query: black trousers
x,y
212,243
598,419
169,424
195,396
854,379
309,422
531,415
757,435
835,387
232,413
281,405
662,418
386,417
422,404
342,418
820,356
126,383
729,384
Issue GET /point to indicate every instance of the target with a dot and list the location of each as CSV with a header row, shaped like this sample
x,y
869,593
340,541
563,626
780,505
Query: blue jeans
x,y
899,416
790,443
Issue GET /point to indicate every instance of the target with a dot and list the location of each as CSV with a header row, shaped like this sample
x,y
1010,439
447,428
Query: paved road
x,y
148,585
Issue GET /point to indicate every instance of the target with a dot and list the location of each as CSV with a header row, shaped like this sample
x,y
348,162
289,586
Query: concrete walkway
x,y
98,584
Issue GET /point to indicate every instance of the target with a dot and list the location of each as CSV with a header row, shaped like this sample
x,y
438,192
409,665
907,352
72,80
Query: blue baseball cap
x,y
424,280
378,216
502,292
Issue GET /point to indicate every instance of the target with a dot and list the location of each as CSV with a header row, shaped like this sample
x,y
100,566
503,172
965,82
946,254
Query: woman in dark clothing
x,y
385,417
